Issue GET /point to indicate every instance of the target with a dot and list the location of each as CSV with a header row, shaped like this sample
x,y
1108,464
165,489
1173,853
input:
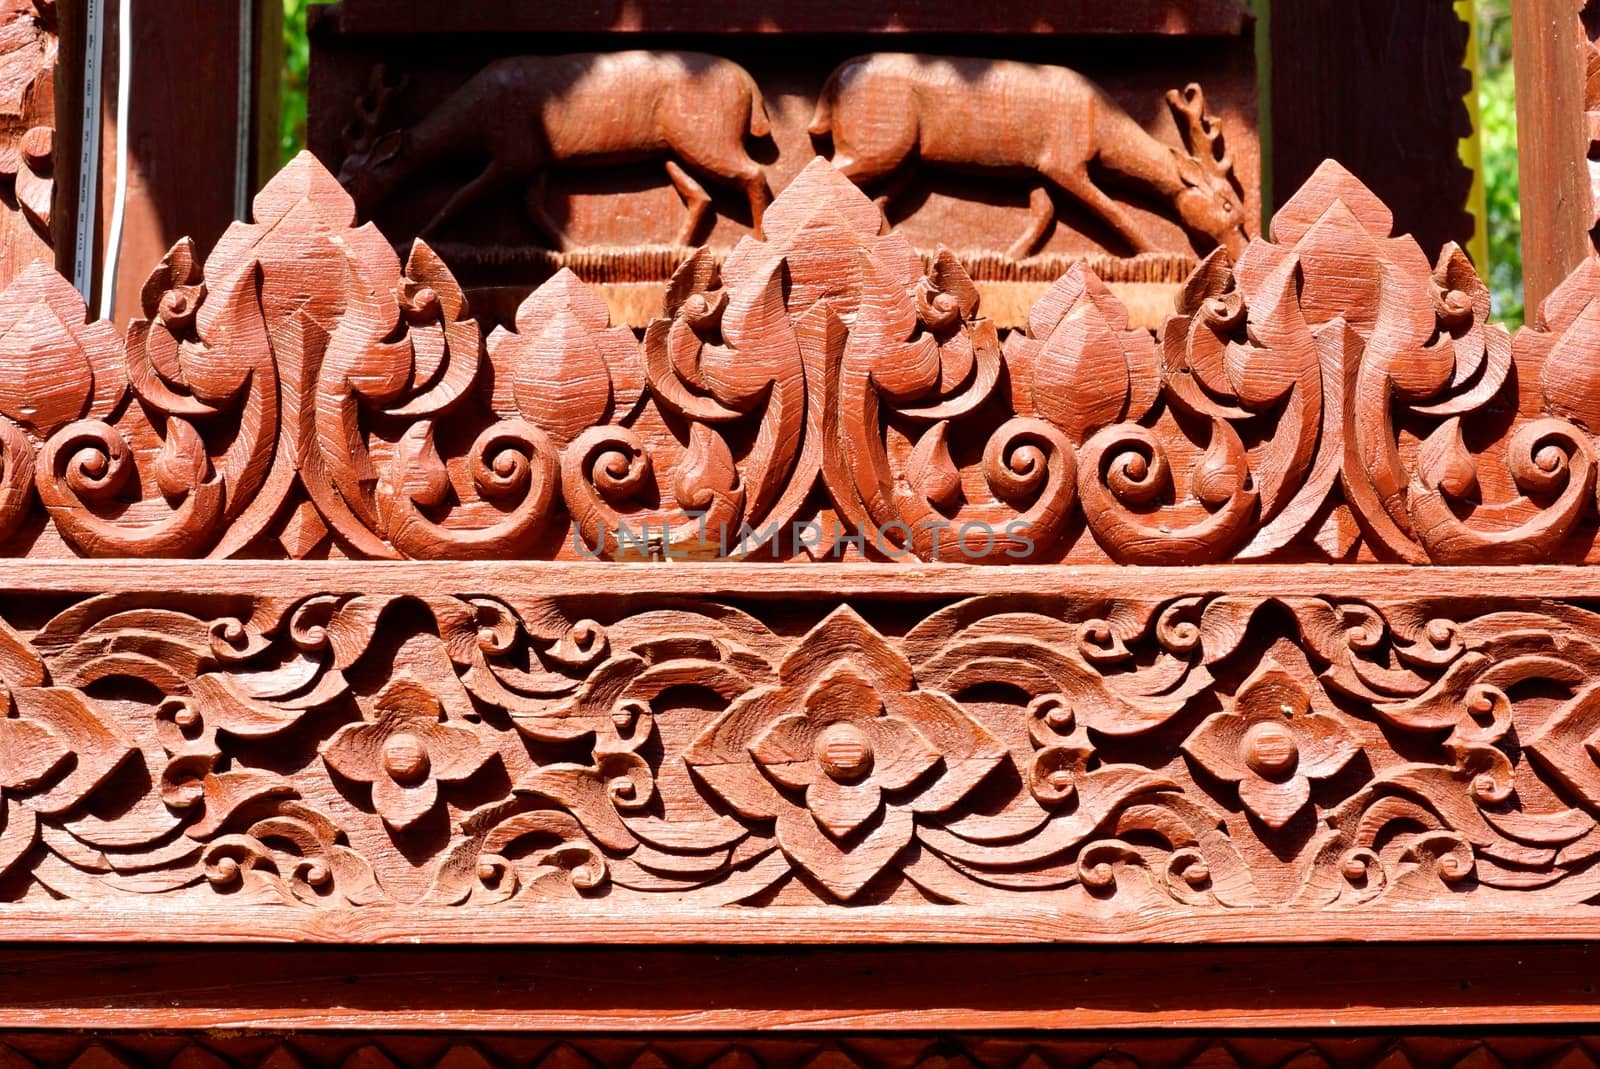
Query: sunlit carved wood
x,y
494,753
528,115
886,110
819,392
28,54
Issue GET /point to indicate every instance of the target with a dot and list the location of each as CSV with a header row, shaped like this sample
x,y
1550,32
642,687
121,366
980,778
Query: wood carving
x,y
820,393
513,751
886,109
416,153
419,1050
525,764
28,52
692,109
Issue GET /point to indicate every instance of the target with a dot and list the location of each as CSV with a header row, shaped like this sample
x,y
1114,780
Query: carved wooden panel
x,y
519,153
421,1051
838,719
892,741
28,53
819,393
490,754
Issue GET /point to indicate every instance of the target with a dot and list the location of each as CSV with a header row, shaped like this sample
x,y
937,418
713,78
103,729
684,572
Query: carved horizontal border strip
x,y
421,1051
511,752
819,393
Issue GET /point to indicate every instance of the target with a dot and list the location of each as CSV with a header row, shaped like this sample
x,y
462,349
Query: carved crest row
x,y
819,394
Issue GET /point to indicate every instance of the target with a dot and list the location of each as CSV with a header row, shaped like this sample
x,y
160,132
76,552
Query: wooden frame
x,y
735,750
815,623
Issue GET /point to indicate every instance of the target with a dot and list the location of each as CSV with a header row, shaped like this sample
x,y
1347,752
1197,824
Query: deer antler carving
x,y
372,112
1202,132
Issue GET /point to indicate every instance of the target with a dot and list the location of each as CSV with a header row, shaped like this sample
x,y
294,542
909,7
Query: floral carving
x,y
1109,757
405,752
838,743
1272,744
824,392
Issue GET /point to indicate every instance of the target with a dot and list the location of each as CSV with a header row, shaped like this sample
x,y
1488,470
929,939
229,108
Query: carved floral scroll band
x,y
407,1050
1330,397
1202,755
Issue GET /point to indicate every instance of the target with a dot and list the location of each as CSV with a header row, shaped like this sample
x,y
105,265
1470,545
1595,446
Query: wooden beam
x,y
1557,206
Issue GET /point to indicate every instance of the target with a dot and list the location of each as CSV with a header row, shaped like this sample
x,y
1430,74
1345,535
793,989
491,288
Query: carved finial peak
x,y
304,178
820,190
1331,183
40,283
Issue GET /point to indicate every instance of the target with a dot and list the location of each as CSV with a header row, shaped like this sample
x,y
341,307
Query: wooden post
x,y
184,120
1557,208
1380,86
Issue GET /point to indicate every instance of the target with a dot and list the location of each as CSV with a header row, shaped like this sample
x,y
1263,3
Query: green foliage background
x,y
1496,102
1497,108
296,61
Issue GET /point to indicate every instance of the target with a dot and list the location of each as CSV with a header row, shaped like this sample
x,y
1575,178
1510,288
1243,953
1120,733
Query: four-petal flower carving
x,y
405,751
842,753
1272,744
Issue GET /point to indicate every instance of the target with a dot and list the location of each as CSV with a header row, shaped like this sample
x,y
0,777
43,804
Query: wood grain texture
x,y
819,393
1549,40
29,52
1190,17
611,195
886,109
1071,754
701,993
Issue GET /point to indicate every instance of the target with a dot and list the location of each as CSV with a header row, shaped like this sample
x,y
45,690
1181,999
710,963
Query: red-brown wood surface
x,y
1552,142
1292,658
893,744
29,53
822,392
687,993
517,155
1378,85
299,767
1193,17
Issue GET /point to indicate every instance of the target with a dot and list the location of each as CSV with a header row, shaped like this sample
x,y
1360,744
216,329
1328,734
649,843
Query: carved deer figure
x,y
528,114
885,108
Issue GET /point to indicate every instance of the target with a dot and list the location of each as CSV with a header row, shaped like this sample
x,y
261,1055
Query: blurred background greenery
x,y
1497,131
296,60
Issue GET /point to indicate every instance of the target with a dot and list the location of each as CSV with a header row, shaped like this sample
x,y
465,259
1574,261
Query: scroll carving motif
x,y
417,1051
817,393
539,757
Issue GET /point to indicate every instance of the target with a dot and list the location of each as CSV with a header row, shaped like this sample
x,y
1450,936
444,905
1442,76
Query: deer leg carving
x,y
732,168
891,187
495,175
1080,185
760,195
538,205
696,201
1043,214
